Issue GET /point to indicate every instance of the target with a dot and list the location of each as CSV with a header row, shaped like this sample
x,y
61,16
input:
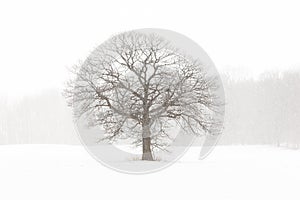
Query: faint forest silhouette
x,y
263,111
43,118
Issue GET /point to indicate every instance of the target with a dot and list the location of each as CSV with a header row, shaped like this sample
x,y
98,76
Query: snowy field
x,y
68,172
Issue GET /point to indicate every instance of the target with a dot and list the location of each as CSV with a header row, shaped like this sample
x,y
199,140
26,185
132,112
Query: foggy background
x,y
264,110
255,45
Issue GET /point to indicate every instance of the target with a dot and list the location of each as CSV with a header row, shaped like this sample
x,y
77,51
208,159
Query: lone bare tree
x,y
136,85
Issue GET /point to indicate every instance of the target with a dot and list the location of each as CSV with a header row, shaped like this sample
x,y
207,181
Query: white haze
x,y
39,40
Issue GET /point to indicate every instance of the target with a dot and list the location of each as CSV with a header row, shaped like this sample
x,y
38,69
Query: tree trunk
x,y
147,153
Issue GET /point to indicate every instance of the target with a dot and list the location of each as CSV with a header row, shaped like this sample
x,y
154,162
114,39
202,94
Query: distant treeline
x,y
265,110
43,118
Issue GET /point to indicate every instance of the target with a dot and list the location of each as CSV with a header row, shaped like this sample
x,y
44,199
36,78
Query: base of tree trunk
x,y
147,154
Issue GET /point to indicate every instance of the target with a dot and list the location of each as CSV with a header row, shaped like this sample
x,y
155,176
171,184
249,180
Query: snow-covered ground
x,y
69,172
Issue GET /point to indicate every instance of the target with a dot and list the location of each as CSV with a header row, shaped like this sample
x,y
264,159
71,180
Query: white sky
x,y
38,40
